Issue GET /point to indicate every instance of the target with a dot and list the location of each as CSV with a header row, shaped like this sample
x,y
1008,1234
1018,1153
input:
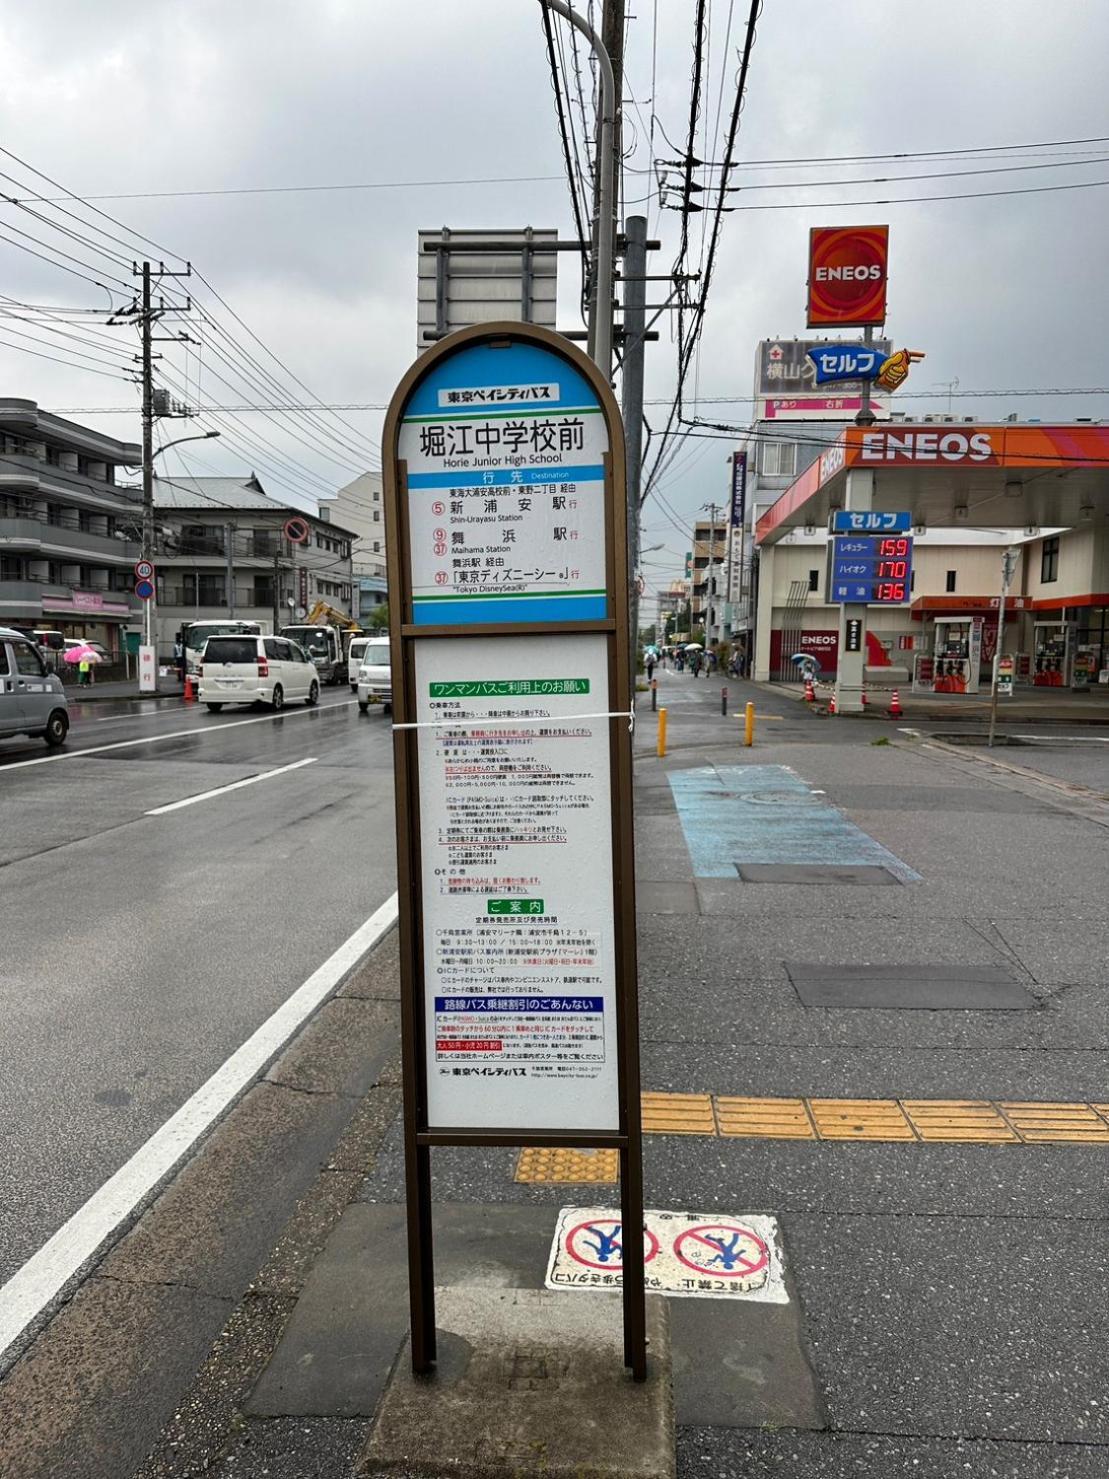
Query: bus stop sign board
x,y
511,689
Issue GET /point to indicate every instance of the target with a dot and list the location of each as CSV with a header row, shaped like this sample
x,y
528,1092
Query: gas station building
x,y
971,491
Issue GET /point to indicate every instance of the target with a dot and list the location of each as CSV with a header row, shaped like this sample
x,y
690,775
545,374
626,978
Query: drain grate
x,y
862,874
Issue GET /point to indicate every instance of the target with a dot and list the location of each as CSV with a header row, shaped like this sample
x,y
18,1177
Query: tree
x,y
379,618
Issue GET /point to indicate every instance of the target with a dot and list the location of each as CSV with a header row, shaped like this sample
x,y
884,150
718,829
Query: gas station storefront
x,y
1021,479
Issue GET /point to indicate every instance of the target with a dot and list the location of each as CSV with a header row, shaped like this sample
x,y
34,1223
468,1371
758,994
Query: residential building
x,y
710,545
359,507
69,530
223,550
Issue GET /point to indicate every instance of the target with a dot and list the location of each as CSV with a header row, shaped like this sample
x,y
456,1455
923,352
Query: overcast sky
x,y
126,97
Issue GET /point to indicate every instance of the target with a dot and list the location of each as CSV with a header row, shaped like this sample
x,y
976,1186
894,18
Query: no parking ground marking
x,y
686,1255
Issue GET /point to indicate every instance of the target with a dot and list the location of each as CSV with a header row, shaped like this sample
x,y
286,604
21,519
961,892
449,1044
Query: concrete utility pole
x,y
1008,565
148,317
604,234
147,452
229,552
635,322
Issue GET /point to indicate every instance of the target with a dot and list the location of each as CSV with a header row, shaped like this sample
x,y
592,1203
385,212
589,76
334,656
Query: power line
x,y
835,205
907,154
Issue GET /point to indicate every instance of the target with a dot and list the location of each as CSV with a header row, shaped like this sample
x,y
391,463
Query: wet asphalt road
x,y
139,951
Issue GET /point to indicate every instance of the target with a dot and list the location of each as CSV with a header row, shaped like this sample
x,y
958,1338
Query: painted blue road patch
x,y
736,814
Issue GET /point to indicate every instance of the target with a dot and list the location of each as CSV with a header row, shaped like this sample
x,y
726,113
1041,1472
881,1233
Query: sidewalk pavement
x,y
873,1008
1027,706
121,688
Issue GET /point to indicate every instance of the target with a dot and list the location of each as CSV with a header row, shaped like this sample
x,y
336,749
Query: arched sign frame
x,y
420,1134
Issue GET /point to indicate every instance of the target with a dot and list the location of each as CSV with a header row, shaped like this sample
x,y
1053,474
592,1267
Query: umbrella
x,y
82,654
693,647
805,657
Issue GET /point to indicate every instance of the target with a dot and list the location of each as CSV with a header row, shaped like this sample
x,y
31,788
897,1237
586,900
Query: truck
x,y
326,634
192,636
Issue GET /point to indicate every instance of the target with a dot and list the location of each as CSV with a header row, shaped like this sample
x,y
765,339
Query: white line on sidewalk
x,y
264,775
156,739
46,1273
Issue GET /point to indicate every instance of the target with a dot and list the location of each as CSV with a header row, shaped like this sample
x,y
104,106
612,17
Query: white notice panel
x,y
516,843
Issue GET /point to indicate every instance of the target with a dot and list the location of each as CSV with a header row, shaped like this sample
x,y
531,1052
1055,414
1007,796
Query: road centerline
x,y
250,780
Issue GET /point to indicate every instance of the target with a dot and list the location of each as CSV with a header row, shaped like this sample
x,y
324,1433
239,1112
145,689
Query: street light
x,y
199,436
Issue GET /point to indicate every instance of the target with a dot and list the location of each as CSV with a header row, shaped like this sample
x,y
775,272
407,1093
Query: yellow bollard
x,y
661,733
749,724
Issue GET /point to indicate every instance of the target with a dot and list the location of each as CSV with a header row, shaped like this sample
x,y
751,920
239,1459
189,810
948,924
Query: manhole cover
x,y
783,798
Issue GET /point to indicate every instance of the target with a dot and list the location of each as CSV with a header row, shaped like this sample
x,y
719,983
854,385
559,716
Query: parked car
x,y
375,676
32,700
357,647
248,670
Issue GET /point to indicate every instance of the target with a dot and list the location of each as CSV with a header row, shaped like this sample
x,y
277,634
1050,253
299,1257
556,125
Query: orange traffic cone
x,y
190,689
895,705
832,704
810,694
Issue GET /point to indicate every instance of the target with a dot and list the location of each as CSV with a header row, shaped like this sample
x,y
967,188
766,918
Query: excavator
x,y
325,634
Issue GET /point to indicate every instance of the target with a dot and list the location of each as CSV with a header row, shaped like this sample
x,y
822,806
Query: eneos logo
x,y
847,274
926,446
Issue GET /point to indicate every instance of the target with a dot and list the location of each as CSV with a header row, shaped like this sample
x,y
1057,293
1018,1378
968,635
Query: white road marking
x,y
264,775
156,739
46,1273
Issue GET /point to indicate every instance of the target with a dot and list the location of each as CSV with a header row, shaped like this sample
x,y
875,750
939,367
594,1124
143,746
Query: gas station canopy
x,y
947,473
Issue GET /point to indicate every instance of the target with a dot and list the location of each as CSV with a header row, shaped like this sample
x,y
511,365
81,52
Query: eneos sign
x,y
847,274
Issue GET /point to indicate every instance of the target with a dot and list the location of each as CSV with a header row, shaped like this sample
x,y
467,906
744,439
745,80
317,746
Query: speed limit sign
x,y
144,570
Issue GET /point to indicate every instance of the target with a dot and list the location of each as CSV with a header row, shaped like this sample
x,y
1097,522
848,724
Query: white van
x,y
375,675
248,670
354,659
32,701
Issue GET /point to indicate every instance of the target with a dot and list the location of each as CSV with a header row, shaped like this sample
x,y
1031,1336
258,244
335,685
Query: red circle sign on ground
x,y
597,1244
297,530
724,1250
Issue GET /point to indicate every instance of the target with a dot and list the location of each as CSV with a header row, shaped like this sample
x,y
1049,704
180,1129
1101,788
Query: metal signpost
x,y
507,554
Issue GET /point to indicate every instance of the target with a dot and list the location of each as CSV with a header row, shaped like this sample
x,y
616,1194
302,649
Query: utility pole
x,y
148,317
631,389
147,452
229,551
711,579
1008,565
276,585
612,39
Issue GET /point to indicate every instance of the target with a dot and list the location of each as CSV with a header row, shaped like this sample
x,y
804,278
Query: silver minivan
x,y
32,701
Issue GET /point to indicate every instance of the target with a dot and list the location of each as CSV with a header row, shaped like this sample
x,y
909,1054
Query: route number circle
x,y
297,530
723,1250
438,508
441,577
604,1231
144,570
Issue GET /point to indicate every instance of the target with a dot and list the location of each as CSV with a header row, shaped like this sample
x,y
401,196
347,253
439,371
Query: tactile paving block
x,y
860,1119
567,1167
1041,1123
769,1119
678,1114
966,1120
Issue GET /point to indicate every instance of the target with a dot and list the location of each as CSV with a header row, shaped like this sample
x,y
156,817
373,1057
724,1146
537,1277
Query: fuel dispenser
x,y
1053,652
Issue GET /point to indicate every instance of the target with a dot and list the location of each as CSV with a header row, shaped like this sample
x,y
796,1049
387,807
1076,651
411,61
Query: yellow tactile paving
x,y
772,1119
1040,1123
860,1119
678,1114
970,1120
568,1167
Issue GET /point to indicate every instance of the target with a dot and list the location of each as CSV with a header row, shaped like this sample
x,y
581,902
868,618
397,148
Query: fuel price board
x,y
871,569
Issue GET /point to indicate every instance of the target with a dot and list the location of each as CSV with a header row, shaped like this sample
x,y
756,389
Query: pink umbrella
x,y
82,654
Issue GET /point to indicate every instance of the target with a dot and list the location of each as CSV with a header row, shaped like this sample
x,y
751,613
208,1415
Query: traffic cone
x,y
862,698
190,689
832,704
895,705
810,693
